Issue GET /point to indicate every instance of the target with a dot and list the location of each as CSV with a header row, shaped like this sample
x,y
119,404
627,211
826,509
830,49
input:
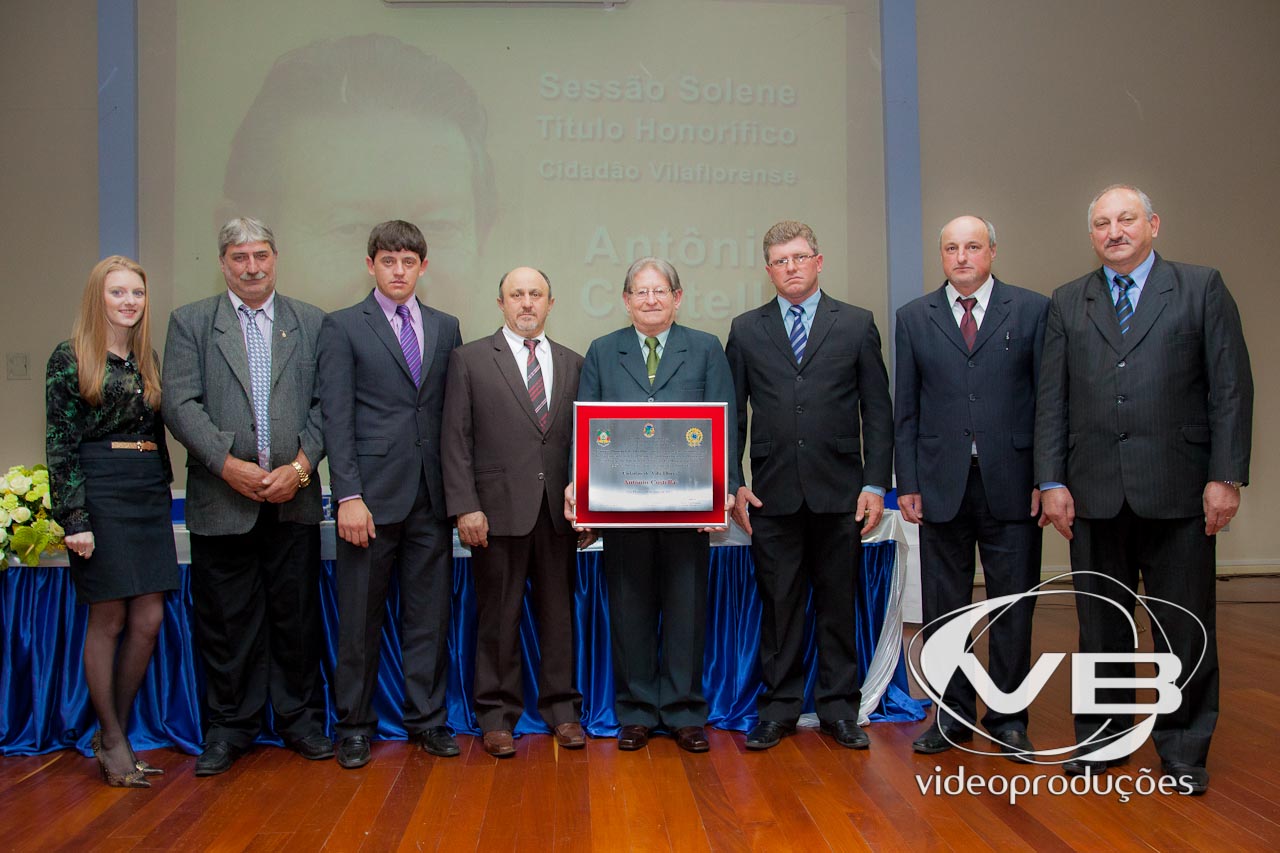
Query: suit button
x,y
1120,399
418,443
966,432
1120,364
419,408
544,441
973,364
799,410
973,398
540,477
799,378
1124,436
800,442
650,399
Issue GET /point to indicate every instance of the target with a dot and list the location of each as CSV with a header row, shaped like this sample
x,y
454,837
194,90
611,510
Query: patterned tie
x,y
537,388
260,379
651,363
968,325
409,344
1124,308
798,336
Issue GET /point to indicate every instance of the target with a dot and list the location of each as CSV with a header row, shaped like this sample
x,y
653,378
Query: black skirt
x,y
129,507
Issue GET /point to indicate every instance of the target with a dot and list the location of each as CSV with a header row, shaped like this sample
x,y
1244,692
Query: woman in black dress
x,y
109,477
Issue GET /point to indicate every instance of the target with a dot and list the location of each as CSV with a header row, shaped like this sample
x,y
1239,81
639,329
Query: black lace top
x,y
70,421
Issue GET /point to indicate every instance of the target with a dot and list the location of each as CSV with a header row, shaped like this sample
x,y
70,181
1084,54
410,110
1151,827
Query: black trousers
x,y
256,598
1177,563
657,581
794,555
419,551
1010,552
546,561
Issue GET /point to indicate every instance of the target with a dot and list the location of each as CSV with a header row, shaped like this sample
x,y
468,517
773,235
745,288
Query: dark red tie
x,y
968,326
537,390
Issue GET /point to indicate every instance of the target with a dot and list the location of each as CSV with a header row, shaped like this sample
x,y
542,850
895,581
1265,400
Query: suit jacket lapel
x,y
944,318
1102,311
430,334
1155,296
993,318
824,320
774,330
673,355
284,339
231,343
506,365
562,392
631,357
382,331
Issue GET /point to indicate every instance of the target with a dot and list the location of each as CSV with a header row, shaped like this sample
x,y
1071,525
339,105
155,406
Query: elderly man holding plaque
x,y
657,576
508,424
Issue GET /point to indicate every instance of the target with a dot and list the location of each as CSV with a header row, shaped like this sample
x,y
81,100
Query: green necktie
x,y
651,363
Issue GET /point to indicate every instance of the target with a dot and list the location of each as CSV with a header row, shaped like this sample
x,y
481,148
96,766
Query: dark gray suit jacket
x,y
208,407
693,369
496,456
383,432
1152,416
812,423
947,397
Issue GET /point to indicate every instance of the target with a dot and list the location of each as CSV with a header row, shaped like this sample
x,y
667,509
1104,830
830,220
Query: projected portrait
x,y
348,132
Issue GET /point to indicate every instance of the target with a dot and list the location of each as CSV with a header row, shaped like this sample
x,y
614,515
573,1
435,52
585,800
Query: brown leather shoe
x,y
499,743
570,736
692,739
633,737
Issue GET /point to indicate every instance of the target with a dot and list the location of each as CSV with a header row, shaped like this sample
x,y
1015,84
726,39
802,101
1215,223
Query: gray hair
x,y
1146,201
664,269
244,229
991,228
503,280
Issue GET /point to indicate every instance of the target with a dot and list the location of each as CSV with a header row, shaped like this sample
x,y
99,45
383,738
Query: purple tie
x,y
537,389
409,344
968,325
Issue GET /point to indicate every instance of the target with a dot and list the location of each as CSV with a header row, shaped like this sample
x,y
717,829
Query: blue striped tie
x,y
260,381
798,336
409,344
1124,308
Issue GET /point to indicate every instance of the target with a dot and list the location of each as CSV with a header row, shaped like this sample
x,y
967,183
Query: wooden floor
x,y
806,795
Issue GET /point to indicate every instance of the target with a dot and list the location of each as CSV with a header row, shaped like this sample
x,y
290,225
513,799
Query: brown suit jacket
x,y
496,458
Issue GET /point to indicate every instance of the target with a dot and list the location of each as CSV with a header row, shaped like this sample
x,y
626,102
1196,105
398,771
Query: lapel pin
x,y
283,333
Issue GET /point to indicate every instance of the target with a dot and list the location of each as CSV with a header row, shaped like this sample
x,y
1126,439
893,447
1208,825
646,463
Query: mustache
x,y
257,276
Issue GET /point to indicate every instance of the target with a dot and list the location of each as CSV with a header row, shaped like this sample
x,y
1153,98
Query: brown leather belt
x,y
140,446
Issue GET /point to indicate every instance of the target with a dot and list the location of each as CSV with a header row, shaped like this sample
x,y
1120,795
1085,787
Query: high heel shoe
x,y
135,778
138,763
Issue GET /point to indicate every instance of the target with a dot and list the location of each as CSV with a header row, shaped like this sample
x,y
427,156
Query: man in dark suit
x,y
508,427
383,364
968,359
240,394
658,577
1143,430
811,368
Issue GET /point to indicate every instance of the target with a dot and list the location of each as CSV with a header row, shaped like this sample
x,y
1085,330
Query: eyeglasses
x,y
658,293
798,260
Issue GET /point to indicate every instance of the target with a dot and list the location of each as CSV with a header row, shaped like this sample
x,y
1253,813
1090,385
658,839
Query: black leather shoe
x,y
847,733
314,747
354,752
217,758
633,737
1190,779
1014,745
1078,766
934,740
437,741
767,734
692,739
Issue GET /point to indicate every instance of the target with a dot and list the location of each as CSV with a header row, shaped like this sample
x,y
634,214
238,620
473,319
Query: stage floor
x,y
807,794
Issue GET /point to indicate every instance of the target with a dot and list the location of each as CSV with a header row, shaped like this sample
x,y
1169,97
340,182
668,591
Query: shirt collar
x,y
268,308
810,305
516,342
389,308
661,336
982,293
1139,274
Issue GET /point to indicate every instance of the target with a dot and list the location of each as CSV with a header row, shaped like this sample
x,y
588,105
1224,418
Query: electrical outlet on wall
x,y
17,365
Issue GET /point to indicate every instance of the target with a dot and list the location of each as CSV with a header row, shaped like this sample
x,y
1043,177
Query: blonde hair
x,y
89,335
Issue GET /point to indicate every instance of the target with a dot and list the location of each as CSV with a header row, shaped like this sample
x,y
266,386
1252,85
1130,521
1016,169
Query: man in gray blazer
x,y
508,429
239,393
968,361
658,577
821,452
1143,431
382,367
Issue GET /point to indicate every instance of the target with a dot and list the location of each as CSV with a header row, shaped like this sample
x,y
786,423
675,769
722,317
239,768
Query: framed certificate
x,y
650,464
